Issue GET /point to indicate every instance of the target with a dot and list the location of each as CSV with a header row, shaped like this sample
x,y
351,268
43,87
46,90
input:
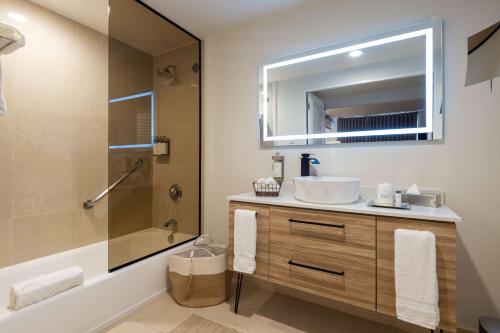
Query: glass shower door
x,y
154,134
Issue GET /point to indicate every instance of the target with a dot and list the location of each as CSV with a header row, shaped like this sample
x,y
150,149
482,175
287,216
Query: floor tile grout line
x,y
148,325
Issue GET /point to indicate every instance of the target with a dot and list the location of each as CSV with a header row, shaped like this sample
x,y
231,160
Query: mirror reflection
x,y
381,92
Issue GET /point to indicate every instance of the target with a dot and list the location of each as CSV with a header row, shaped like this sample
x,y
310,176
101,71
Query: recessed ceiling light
x,y
17,17
355,53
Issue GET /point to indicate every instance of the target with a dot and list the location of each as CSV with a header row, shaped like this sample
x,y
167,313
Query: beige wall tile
x,y
44,136
90,180
57,95
43,187
91,225
177,118
48,61
91,140
5,191
41,235
92,77
131,203
130,210
5,242
6,137
131,70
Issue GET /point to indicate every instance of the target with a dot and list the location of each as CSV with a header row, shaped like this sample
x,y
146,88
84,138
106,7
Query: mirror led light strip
x,y
429,87
127,98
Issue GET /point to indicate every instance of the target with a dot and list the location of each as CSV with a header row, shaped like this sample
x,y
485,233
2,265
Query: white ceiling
x,y
203,18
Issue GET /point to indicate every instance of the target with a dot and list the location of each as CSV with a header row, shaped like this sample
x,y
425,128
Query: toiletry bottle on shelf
x,y
278,167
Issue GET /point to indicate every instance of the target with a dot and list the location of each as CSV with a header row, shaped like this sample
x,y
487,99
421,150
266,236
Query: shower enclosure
x,y
99,154
154,128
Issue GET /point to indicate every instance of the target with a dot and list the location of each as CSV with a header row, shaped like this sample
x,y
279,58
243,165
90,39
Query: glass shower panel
x,y
154,133
131,120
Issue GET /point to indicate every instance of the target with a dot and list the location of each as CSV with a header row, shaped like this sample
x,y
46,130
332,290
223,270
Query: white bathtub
x,y
139,244
103,298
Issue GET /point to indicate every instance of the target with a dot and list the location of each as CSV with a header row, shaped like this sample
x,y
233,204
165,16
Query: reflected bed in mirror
x,y
383,87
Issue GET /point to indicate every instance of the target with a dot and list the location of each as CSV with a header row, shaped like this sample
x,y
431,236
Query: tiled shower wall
x,y
177,119
131,203
53,141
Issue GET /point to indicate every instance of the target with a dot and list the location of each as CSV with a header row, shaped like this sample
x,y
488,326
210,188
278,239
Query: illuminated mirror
x,y
384,87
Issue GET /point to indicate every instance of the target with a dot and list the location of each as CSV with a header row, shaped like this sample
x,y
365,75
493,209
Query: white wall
x,y
466,165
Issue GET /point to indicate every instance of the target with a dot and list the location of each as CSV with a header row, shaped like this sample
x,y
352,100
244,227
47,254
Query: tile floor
x,y
261,311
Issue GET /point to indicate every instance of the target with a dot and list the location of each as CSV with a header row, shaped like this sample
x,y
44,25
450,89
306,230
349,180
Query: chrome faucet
x,y
305,162
171,225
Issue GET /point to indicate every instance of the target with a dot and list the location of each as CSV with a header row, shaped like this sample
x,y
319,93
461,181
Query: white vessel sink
x,y
327,190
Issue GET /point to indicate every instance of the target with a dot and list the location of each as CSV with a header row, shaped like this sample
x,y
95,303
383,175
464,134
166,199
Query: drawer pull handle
x,y
317,223
291,262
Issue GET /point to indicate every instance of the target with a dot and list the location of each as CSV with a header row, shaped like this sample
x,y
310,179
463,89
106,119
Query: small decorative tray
x,y
266,190
404,205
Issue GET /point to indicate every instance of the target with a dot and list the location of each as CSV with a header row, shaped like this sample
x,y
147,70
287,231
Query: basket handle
x,y
205,239
200,248
189,284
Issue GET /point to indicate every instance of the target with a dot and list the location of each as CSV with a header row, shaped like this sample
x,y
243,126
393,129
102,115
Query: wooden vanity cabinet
x,y
342,256
445,261
262,250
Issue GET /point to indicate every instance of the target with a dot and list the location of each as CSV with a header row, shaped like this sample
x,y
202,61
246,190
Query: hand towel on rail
x,y
417,292
245,241
44,286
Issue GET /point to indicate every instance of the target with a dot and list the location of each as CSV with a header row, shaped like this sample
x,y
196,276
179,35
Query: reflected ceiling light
x,y
355,53
17,17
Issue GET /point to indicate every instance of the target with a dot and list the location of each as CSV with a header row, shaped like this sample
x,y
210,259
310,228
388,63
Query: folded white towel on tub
x,y
44,286
245,241
417,292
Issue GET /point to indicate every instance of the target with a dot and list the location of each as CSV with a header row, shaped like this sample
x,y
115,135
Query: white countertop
x,y
441,214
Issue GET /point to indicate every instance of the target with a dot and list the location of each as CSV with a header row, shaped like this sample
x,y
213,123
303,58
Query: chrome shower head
x,y
169,72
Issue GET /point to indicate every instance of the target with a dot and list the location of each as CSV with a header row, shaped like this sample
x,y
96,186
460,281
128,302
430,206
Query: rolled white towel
x,y
270,181
261,181
44,286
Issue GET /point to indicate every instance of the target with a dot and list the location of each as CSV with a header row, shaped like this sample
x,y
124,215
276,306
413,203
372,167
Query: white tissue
x,y
413,189
261,181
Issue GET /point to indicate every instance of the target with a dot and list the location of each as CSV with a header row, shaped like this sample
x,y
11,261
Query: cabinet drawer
x,y
333,276
445,264
321,232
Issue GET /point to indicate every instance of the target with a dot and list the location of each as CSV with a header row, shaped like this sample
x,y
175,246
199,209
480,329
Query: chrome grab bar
x,y
90,203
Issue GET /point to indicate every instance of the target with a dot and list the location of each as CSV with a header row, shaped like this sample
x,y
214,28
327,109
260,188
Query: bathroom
x,y
83,184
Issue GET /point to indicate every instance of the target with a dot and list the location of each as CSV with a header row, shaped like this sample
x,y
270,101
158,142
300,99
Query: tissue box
x,y
429,199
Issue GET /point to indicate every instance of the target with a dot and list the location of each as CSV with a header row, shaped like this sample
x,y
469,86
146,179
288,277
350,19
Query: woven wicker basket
x,y
198,275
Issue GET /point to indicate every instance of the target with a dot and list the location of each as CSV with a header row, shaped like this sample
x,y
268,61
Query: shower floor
x,y
127,248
